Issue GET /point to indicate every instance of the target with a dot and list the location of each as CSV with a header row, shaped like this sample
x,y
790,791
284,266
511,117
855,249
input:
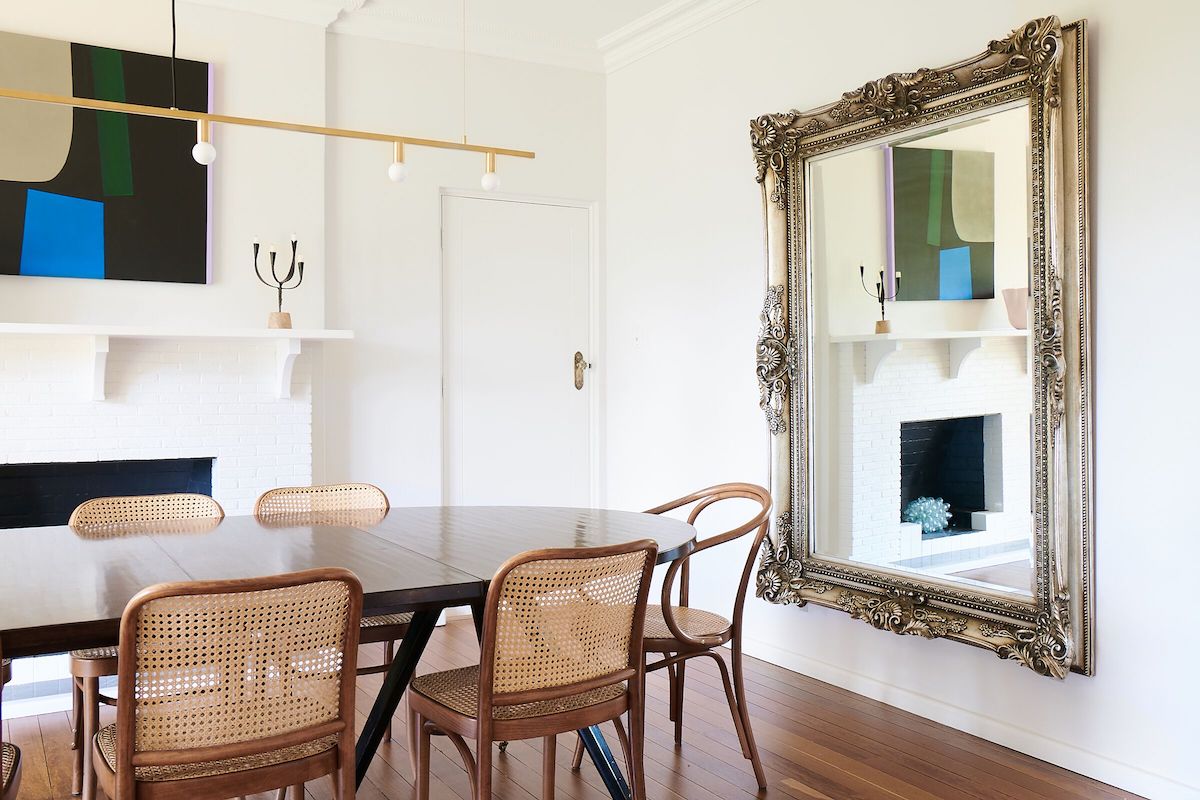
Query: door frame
x,y
595,354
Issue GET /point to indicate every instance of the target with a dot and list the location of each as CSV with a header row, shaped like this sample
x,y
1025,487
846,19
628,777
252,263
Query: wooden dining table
x,y
63,589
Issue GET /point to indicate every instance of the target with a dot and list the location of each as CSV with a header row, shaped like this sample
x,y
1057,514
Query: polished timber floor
x,y
817,741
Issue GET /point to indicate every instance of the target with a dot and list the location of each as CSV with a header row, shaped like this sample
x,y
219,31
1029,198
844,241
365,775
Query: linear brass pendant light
x,y
204,152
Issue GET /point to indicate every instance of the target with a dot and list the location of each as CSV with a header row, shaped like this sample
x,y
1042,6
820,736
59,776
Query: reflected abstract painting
x,y
100,194
941,220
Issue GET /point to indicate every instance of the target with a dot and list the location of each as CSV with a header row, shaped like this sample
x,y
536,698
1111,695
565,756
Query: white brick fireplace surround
x,y
165,398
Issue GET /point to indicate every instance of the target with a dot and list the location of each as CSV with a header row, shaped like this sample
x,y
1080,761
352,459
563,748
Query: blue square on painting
x,y
954,274
64,236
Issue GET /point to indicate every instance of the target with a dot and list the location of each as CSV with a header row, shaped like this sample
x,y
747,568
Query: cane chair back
x,y
558,622
329,498
143,509
225,676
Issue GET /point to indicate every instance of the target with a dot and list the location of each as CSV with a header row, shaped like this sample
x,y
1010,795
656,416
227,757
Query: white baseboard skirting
x,y
1116,773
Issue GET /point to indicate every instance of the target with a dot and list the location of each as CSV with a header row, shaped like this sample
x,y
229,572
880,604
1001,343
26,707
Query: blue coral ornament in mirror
x,y
931,513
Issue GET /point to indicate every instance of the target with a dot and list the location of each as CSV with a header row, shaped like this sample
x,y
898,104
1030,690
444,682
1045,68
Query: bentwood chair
x,y
561,650
10,755
680,633
345,503
234,687
114,516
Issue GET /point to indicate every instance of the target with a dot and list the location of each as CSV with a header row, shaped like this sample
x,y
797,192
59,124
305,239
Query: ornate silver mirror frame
x,y
1044,63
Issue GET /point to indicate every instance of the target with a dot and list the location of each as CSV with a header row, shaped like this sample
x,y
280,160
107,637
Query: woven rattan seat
x,y
384,620
106,740
693,621
10,759
458,690
94,653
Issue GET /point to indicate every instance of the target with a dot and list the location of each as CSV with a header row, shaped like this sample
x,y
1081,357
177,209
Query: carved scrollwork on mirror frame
x,y
1040,66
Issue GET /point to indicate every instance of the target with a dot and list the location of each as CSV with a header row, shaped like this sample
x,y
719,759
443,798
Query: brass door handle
x,y
580,366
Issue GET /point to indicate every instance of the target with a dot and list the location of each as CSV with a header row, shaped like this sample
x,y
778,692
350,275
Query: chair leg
x,y
414,733
91,724
77,743
422,759
577,759
623,738
549,749
680,670
637,738
389,652
281,794
671,691
297,791
739,687
483,768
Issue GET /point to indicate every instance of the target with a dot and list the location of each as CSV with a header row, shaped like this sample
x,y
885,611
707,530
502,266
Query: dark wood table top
x,y
62,589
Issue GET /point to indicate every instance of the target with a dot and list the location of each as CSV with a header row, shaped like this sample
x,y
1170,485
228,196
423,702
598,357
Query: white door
x,y
516,305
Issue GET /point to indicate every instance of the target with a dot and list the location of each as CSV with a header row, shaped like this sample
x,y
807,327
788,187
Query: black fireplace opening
x,y
946,458
46,494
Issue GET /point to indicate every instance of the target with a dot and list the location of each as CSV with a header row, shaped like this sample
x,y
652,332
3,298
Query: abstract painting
x,y
941,223
100,194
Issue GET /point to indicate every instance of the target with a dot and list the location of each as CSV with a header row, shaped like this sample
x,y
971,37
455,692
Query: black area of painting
x,y
944,458
46,494
161,232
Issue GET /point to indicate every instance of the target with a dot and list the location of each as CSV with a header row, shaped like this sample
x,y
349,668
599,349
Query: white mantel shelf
x,y
288,343
959,345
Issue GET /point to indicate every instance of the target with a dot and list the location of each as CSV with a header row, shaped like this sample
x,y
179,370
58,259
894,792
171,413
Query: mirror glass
x,y
922,384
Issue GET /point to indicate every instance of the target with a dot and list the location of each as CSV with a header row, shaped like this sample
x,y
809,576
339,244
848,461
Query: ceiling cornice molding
x,y
310,12
676,20
445,32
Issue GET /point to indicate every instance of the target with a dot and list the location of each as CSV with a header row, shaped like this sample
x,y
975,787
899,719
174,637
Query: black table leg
x,y
394,684
606,765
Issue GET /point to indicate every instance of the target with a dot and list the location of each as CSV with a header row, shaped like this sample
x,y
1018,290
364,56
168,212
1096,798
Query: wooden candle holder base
x,y
279,319
881,326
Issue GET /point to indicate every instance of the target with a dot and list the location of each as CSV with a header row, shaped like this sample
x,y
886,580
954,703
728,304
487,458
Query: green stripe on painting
x,y
108,77
937,180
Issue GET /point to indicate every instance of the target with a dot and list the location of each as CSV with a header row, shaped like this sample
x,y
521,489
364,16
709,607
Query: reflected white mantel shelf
x,y
287,343
959,345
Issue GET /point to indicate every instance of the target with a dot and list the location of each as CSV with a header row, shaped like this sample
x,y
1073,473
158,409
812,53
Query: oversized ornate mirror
x,y
923,361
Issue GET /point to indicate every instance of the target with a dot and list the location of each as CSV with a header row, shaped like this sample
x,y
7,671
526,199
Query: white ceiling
x,y
599,35
580,22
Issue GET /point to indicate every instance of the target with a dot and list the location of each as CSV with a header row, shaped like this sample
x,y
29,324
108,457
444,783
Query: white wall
x,y
381,398
265,183
685,283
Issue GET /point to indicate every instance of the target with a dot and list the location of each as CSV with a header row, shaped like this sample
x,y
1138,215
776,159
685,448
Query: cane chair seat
x,y
387,620
458,690
95,653
106,743
10,761
692,621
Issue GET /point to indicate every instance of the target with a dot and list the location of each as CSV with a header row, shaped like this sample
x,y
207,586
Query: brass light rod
x,y
251,122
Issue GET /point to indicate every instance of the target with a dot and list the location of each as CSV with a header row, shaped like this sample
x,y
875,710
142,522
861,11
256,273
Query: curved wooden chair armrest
x,y
703,500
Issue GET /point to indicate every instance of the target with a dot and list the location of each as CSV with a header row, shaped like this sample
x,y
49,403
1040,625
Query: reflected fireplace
x,y
957,459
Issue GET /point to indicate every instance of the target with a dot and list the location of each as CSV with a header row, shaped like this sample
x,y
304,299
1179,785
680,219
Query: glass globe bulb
x,y
490,181
397,172
204,153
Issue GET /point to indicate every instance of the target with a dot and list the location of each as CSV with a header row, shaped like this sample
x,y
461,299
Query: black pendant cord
x,y
174,103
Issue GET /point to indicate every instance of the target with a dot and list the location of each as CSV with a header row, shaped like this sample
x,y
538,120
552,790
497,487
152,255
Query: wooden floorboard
x,y
818,742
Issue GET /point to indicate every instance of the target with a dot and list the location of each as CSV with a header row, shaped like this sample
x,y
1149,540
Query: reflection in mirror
x,y
920,265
